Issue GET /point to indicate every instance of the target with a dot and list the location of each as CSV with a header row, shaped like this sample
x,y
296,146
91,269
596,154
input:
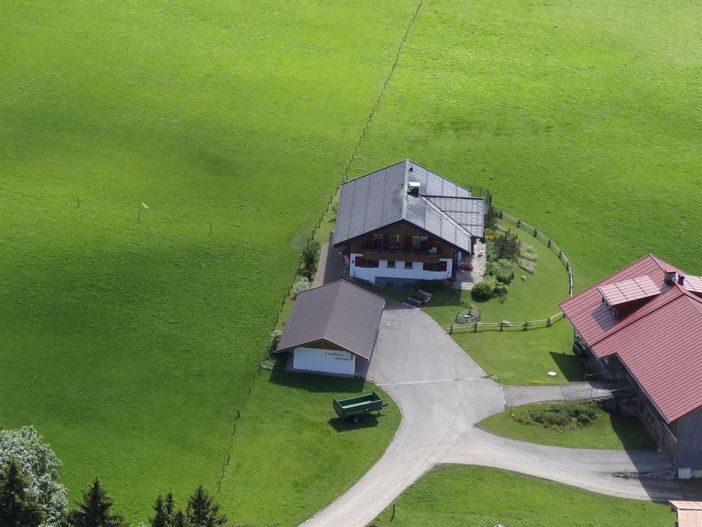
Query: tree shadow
x,y
345,424
571,366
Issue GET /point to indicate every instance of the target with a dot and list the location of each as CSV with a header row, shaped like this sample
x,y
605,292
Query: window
x,y
390,285
435,266
377,240
419,242
407,285
408,265
395,239
391,264
365,262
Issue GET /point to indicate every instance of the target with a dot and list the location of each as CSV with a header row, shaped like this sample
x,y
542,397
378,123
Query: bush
x,y
310,254
502,270
507,246
303,284
559,416
485,289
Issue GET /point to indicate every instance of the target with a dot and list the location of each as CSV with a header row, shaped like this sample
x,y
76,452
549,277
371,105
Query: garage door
x,y
325,361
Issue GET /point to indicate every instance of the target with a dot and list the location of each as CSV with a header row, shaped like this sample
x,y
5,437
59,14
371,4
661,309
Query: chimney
x,y
413,188
670,277
681,279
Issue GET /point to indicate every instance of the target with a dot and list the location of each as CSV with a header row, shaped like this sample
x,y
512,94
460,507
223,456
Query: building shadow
x,y
316,383
571,366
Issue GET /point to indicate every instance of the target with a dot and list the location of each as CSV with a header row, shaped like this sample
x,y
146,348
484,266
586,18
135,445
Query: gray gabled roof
x,y
381,198
339,312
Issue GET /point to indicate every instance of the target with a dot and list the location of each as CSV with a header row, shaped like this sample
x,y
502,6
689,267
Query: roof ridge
x,y
446,215
404,190
372,173
439,175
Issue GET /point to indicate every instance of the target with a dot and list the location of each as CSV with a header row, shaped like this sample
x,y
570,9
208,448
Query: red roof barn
x,y
644,323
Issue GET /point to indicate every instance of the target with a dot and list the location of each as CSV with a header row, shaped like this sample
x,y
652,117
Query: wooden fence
x,y
525,325
543,238
504,325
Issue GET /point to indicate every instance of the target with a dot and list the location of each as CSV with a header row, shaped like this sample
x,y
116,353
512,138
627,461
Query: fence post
x,y
519,222
549,243
548,322
501,325
475,327
451,330
525,326
536,233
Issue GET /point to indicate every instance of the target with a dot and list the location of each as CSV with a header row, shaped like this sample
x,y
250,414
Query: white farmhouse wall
x,y
415,273
323,360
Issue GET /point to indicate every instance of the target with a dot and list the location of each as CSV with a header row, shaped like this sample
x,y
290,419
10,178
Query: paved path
x,y
442,394
330,266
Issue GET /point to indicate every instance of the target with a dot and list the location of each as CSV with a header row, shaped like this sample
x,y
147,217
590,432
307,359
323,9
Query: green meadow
x,y
454,496
129,336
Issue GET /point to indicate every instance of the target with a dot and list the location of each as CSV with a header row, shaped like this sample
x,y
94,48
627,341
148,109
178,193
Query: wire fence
x,y
505,325
296,271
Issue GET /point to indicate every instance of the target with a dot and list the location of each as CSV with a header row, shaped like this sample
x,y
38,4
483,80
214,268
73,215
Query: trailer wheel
x,y
356,418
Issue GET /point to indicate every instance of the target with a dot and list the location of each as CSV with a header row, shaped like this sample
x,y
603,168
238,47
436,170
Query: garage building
x,y
332,330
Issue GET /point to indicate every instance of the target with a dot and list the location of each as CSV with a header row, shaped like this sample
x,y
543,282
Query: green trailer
x,y
354,407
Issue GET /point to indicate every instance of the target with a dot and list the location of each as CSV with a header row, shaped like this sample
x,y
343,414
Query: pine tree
x,y
18,508
163,511
203,511
95,510
179,520
170,507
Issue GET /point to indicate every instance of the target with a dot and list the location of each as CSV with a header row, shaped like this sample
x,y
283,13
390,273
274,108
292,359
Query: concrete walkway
x,y
443,394
330,266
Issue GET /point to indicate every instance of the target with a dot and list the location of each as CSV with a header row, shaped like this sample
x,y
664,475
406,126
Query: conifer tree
x,y
163,511
18,508
95,510
202,510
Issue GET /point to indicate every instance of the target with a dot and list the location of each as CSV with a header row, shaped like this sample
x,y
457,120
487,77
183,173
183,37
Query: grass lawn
x,y
292,456
127,343
607,431
582,118
525,357
454,496
130,344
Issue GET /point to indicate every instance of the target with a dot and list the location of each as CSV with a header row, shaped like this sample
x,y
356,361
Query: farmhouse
x,y
332,329
404,223
643,324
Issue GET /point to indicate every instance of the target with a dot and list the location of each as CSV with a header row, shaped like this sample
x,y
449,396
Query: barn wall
x,y
689,434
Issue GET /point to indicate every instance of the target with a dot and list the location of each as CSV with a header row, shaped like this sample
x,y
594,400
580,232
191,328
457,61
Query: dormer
x,y
621,297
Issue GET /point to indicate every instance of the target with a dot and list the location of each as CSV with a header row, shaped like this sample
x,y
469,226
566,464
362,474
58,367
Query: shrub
x,y
485,289
303,284
507,245
273,340
559,416
310,254
502,270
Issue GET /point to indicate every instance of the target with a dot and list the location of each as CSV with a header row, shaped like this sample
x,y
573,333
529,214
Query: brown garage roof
x,y
340,313
657,337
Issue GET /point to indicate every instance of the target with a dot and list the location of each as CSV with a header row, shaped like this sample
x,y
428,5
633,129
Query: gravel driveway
x,y
442,394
